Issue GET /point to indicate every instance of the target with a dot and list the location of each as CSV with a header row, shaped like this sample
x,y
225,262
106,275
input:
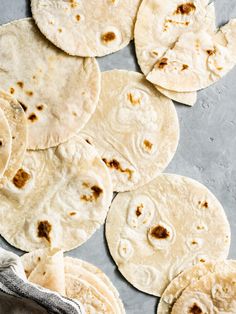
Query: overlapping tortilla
x,y
164,227
134,128
159,24
58,92
58,198
86,27
5,143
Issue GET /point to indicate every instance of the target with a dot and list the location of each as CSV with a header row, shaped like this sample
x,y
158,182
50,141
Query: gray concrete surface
x,y
207,151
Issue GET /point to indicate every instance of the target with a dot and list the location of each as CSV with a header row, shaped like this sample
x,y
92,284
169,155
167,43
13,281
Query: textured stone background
x,y
207,151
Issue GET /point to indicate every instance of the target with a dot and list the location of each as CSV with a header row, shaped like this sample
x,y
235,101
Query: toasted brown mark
x,y
160,232
44,273
44,229
132,99
32,117
138,211
211,52
97,191
184,67
204,204
12,90
77,17
72,213
39,259
185,8
202,260
114,164
23,106
148,145
20,84
162,63
109,36
176,23
88,141
40,107
195,309
59,30
194,242
1,143
20,178
29,93
85,185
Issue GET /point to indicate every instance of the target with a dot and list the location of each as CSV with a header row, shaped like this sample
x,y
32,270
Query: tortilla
x,y
134,128
5,143
197,60
63,194
86,28
164,227
159,24
18,128
59,93
213,293
186,278
84,282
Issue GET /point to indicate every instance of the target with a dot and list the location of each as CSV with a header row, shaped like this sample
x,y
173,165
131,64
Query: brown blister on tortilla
x,y
72,213
29,93
73,3
132,100
77,17
195,309
109,36
1,143
96,192
20,84
211,52
12,90
20,179
32,117
160,232
203,204
138,211
162,63
184,67
114,164
40,107
44,229
185,8
148,145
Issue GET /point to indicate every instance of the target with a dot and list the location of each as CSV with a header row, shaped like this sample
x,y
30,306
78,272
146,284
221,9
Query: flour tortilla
x,y
197,60
213,293
63,194
86,28
18,128
80,274
59,93
164,227
158,27
5,143
186,278
135,129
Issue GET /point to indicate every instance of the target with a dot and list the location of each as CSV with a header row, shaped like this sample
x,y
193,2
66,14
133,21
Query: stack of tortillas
x,y
73,278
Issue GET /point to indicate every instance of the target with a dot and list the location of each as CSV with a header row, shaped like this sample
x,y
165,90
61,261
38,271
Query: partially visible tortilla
x,y
86,28
164,227
158,26
5,143
59,93
63,195
186,278
197,60
134,128
213,293
49,272
15,116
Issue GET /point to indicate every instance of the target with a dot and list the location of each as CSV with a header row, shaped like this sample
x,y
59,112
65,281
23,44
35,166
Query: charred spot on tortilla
x,y
185,8
73,3
162,63
29,93
97,191
59,30
1,143
195,309
184,67
132,99
20,84
148,145
78,17
160,232
202,260
72,213
44,229
39,259
23,106
88,141
138,211
12,90
40,107
20,178
109,36
114,164
211,52
32,117
203,204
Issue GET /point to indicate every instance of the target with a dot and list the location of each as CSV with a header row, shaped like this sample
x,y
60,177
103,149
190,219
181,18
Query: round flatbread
x,y
59,93
158,26
18,128
197,60
213,293
186,278
63,194
5,143
86,28
134,128
82,280
164,227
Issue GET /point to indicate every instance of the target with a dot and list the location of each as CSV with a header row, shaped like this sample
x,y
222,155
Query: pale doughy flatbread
x,y
5,143
86,27
59,93
164,227
197,60
186,278
160,23
135,129
63,194
84,282
18,127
